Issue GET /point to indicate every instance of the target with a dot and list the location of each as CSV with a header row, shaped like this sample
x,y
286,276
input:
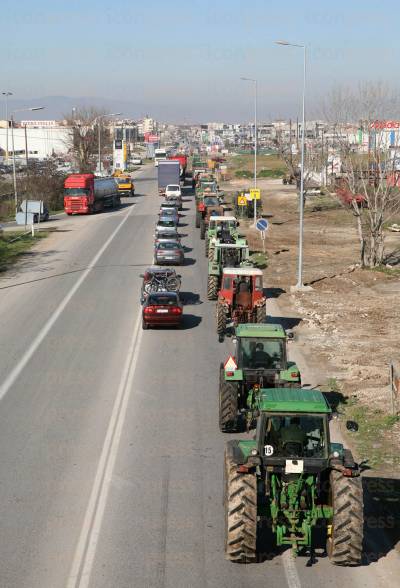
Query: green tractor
x,y
291,485
216,228
260,361
226,252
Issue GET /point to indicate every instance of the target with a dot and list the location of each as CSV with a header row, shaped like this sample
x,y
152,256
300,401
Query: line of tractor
x,y
289,484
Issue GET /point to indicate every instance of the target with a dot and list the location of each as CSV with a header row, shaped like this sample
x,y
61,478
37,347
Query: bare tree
x,y
368,186
82,139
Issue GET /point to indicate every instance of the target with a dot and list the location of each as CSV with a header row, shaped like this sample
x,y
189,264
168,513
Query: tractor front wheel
x,y
212,287
202,229
228,404
221,320
207,246
344,544
210,253
240,498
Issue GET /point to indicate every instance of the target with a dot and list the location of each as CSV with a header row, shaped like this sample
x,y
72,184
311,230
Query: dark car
x,y
162,308
169,252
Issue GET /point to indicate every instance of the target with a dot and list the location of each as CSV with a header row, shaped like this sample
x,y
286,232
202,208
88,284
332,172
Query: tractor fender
x,y
234,452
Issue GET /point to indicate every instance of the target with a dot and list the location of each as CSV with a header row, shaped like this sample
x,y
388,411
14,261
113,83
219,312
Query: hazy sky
x,y
182,60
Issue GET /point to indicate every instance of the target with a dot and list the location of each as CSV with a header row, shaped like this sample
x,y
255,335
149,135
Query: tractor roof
x,y
222,218
260,330
242,271
293,400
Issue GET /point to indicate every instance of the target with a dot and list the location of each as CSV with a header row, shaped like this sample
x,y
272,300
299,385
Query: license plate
x,y
164,310
169,257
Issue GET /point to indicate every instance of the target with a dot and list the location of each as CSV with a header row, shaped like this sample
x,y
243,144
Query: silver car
x,y
169,236
169,213
169,252
164,223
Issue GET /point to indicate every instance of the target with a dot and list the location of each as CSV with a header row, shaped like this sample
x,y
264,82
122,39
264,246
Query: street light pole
x,y
300,285
6,95
255,141
13,148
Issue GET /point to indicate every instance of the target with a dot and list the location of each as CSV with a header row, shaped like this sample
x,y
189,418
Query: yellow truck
x,y
125,185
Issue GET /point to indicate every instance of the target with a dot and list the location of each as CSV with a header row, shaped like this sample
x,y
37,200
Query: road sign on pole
x,y
262,224
242,200
255,193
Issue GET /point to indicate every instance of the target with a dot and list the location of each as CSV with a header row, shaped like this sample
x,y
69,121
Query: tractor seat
x,y
243,299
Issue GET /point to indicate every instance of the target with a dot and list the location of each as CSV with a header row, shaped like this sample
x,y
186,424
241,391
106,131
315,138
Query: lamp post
x,y
254,81
13,148
300,284
99,135
6,95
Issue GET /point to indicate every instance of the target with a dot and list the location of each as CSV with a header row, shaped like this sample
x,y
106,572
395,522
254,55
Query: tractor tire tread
x,y
240,514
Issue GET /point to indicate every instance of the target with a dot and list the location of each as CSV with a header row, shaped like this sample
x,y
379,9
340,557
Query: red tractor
x,y
241,298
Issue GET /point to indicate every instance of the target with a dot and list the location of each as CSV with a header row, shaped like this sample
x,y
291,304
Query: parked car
x,y
136,161
169,252
45,215
162,308
173,190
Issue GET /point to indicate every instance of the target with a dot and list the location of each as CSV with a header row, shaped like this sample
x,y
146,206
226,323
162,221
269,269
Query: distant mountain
x,y
56,107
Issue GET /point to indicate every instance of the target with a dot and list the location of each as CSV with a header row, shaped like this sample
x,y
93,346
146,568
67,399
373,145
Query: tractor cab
x,y
241,287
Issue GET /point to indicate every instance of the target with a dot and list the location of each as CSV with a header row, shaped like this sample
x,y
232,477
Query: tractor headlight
x,y
335,454
254,452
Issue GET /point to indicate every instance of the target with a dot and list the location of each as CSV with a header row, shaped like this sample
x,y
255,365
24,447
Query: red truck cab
x,y
79,194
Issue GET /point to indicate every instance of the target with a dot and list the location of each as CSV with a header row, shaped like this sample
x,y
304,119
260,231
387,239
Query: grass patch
x,y
271,173
375,440
11,247
389,271
243,173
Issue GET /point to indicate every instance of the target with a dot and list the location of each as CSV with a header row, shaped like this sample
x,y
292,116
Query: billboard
x,y
151,138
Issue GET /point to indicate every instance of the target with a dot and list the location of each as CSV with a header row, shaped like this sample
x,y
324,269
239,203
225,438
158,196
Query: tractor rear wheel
x,y
344,546
221,320
240,497
202,229
211,253
197,220
207,246
212,287
228,404
260,313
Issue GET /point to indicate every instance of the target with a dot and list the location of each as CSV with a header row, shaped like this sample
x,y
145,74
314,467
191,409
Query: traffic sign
x,y
262,224
242,200
255,193
230,364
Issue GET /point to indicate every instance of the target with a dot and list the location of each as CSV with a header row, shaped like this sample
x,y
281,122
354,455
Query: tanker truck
x,y
85,194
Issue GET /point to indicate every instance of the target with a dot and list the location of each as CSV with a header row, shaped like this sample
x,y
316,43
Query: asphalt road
x,y
109,444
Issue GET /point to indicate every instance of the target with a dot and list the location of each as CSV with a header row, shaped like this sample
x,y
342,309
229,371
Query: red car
x,y
162,308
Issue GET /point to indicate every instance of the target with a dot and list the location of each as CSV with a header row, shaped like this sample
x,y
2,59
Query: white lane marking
x,y
85,552
20,365
289,566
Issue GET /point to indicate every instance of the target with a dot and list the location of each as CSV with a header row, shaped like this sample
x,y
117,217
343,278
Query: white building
x,y
42,142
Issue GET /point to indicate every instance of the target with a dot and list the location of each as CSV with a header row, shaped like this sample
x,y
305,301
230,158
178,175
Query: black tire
x,y
144,325
212,287
202,229
221,319
211,253
198,216
207,246
240,498
228,404
260,313
344,546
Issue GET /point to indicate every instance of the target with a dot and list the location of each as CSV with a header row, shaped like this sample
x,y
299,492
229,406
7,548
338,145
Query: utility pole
x,y
26,148
6,95
255,141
